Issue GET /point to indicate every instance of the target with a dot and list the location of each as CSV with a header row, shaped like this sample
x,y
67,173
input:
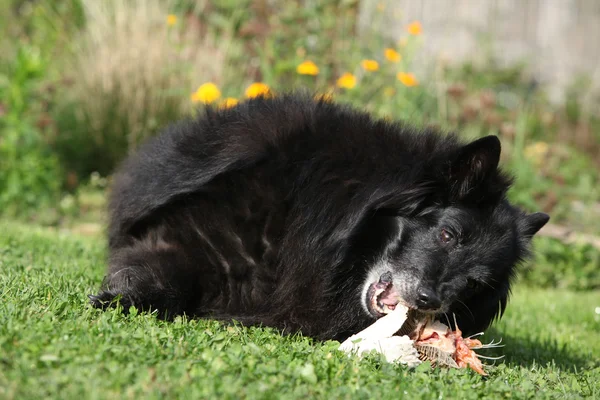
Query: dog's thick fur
x,y
284,212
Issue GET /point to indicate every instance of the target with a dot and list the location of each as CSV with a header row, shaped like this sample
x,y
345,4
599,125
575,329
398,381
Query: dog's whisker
x,y
491,286
468,309
447,319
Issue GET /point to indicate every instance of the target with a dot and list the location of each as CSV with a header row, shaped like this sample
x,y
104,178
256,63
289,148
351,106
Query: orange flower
x,y
258,89
414,28
307,68
207,93
228,102
392,55
171,19
370,65
407,79
346,81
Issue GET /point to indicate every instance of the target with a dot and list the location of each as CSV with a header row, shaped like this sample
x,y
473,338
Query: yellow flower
x,y
325,97
258,89
195,97
206,93
414,28
347,81
407,79
392,55
370,65
171,19
307,68
228,102
536,152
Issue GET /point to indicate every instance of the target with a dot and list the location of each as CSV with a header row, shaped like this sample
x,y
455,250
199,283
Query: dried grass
x,y
133,73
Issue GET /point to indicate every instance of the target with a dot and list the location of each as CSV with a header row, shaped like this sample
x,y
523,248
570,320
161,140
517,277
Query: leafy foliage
x,y
556,265
29,171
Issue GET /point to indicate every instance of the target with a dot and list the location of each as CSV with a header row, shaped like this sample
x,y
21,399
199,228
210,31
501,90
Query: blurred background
x,y
83,82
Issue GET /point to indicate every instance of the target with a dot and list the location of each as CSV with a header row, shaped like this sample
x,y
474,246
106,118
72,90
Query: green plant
x,y
275,48
30,175
33,35
132,72
556,265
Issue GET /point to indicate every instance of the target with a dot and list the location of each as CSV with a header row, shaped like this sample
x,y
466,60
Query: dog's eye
x,y
473,284
446,236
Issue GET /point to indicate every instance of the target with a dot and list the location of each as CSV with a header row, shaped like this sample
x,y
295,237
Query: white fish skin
x,y
384,327
379,337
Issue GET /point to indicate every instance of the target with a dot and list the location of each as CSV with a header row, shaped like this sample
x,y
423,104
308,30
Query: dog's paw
x,y
107,299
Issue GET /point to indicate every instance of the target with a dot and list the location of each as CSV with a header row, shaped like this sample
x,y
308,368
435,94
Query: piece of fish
x,y
380,337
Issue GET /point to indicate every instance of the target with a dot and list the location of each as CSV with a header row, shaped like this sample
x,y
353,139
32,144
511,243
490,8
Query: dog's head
x,y
458,252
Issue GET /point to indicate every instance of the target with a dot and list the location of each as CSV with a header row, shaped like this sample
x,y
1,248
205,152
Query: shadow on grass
x,y
530,351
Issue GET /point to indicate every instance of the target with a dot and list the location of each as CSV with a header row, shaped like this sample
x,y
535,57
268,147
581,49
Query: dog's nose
x,y
427,299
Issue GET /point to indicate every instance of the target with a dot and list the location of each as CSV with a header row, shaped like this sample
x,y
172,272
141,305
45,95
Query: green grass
x,y
52,345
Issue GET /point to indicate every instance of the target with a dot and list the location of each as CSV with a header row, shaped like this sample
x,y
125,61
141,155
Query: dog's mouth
x,y
382,296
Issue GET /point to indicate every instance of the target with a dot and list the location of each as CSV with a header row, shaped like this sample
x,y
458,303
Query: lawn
x,y
53,345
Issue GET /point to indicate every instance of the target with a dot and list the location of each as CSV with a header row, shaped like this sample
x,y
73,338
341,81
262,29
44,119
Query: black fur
x,y
282,211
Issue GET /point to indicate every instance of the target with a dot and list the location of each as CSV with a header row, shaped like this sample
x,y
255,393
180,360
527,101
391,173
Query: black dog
x,y
309,216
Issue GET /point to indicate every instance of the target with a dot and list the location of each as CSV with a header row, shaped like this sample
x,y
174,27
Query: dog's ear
x,y
530,224
473,164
